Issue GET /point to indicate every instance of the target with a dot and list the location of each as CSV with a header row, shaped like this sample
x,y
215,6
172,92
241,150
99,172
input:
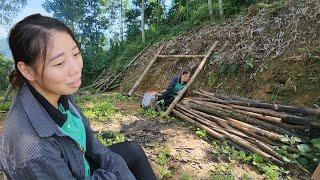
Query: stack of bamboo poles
x,y
254,126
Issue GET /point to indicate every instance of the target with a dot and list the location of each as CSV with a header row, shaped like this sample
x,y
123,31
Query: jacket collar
x,y
41,121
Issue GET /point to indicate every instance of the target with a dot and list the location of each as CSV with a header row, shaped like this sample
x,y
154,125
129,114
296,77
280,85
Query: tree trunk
x,y
142,21
6,95
121,22
210,7
220,8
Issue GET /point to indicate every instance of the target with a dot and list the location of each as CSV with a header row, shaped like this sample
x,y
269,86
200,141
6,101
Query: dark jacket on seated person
x,y
172,90
44,152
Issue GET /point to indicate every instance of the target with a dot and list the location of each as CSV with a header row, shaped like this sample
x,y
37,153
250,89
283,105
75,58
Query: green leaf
x,y
303,161
242,155
304,148
233,69
316,143
250,65
285,159
257,160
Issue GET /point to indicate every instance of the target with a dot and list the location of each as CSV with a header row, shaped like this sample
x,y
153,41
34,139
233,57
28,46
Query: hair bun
x,y
16,79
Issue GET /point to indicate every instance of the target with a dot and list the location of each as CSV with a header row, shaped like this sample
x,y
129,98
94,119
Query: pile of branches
x,y
249,124
106,82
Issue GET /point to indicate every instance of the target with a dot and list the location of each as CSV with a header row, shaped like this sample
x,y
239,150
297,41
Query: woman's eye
x,y
59,64
76,54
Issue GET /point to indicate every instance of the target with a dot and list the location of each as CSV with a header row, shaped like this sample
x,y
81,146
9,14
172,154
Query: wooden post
x,y
316,174
191,80
133,89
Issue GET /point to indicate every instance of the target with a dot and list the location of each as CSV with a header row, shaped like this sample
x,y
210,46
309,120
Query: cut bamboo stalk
x,y
223,123
135,86
214,118
218,111
232,138
276,107
271,119
259,131
290,119
181,56
181,92
197,124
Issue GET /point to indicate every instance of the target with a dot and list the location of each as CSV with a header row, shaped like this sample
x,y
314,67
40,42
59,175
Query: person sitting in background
x,y
177,83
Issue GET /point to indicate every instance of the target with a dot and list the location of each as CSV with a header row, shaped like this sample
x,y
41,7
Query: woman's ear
x,y
26,71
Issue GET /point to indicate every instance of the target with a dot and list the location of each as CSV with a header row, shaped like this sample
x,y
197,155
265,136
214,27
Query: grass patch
x,y
100,107
162,158
109,138
5,106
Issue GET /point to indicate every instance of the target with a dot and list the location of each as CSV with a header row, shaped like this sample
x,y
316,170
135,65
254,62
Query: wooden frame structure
x,y
181,92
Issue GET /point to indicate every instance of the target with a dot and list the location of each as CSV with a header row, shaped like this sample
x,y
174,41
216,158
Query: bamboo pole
x,y
181,56
224,112
232,138
276,107
270,119
133,89
192,79
290,119
193,122
225,123
287,118
262,132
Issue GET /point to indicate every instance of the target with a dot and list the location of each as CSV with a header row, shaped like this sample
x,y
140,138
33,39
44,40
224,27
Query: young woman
x,y
177,83
45,135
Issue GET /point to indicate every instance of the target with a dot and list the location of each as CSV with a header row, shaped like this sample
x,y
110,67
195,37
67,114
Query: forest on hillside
x,y
110,32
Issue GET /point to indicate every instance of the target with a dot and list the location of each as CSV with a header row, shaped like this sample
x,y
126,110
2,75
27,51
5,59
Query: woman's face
x,y
61,74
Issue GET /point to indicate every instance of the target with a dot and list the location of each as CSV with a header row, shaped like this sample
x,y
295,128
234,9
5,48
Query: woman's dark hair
x,y
29,41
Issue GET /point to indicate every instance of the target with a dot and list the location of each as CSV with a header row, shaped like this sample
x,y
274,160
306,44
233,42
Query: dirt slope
x,y
271,54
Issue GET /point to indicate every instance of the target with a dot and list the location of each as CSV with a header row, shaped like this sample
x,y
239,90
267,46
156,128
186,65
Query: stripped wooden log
x,y
135,86
233,138
181,92
276,107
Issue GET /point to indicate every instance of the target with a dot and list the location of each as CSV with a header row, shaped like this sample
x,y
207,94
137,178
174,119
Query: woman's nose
x,y
75,66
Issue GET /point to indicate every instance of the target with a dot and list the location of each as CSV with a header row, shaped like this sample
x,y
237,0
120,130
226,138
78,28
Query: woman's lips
x,y
75,84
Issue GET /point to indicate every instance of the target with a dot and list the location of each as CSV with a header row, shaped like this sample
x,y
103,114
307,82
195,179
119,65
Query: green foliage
x,y
212,78
5,69
162,158
273,7
185,177
5,106
292,140
249,62
316,143
9,9
100,111
201,133
109,138
97,108
151,113
308,155
269,170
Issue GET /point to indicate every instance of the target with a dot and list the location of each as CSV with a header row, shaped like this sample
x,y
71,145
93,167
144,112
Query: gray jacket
x,y
33,147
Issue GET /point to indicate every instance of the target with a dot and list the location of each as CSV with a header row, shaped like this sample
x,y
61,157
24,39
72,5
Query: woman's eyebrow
x,y
56,56
61,54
